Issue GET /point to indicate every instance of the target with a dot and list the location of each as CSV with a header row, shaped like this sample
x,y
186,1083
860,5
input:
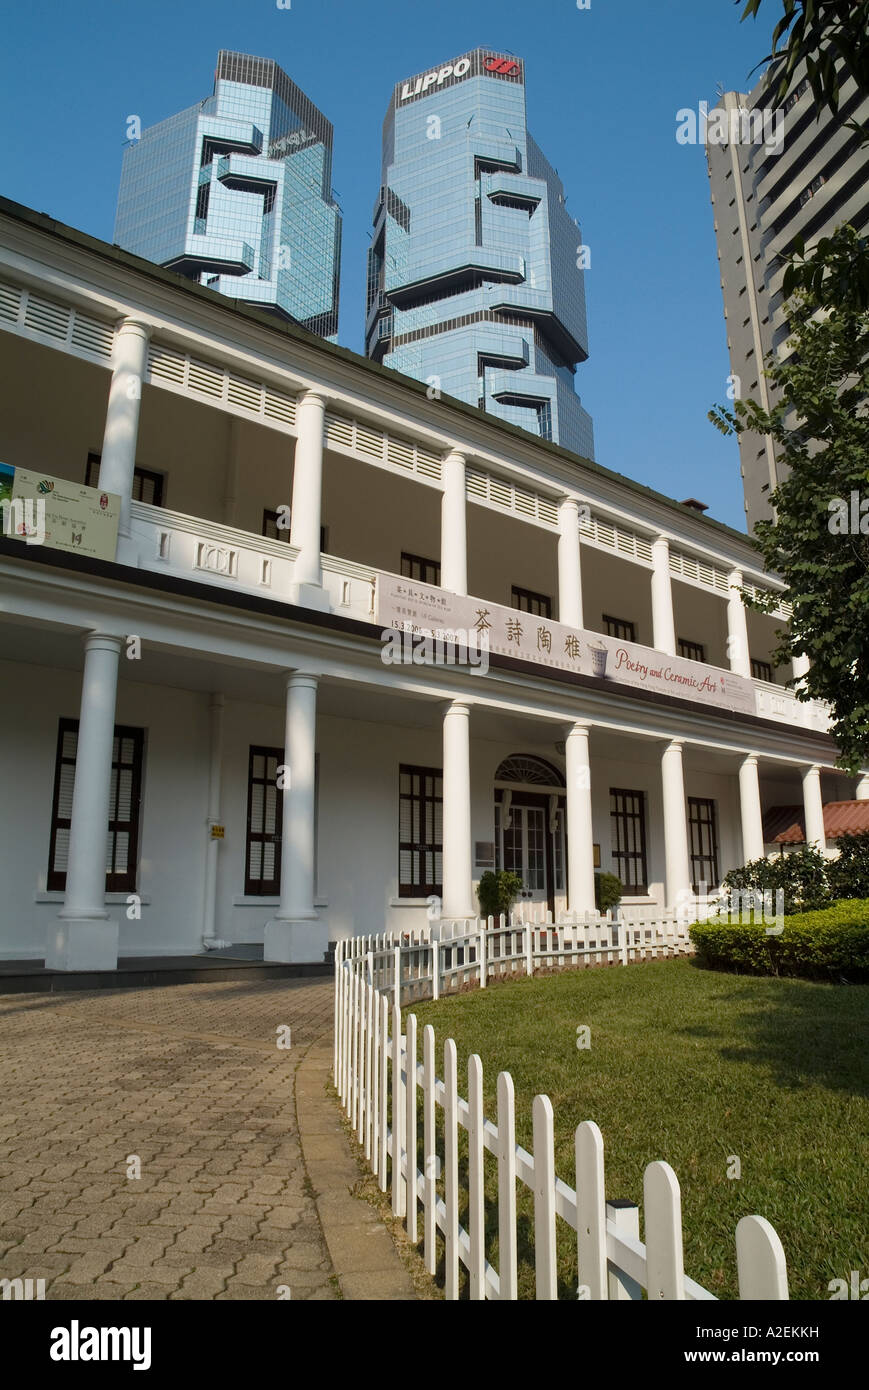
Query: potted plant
x,y
497,892
607,892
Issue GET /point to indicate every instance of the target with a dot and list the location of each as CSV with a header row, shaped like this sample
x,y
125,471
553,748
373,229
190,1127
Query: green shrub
x,y
829,944
497,892
607,891
848,875
802,877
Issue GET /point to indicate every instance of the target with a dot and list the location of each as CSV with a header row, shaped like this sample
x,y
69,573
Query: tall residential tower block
x,y
765,195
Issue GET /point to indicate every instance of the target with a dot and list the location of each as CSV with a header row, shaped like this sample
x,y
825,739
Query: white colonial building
x,y
203,737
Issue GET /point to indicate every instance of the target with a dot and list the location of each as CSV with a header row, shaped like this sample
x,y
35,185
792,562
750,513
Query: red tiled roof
x,y
786,825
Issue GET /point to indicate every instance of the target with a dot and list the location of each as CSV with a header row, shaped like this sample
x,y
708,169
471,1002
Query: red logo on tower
x,y
501,67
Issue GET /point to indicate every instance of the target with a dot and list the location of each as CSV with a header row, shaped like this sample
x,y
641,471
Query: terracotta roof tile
x,y
786,825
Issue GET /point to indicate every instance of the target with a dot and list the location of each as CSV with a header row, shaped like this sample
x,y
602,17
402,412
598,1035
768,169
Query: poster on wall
x,y
422,609
41,510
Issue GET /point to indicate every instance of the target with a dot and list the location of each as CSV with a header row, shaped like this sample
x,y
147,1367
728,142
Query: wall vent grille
x,y
65,326
178,371
352,437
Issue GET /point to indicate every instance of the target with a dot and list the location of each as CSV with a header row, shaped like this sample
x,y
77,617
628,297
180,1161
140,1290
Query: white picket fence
x,y
450,955
374,1060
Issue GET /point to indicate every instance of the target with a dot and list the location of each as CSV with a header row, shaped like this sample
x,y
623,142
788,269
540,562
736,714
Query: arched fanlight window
x,y
532,771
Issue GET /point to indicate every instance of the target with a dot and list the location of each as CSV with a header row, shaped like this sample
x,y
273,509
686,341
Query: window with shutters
x,y
147,485
527,601
420,831
419,568
276,532
761,670
691,651
704,842
628,821
621,628
262,872
122,841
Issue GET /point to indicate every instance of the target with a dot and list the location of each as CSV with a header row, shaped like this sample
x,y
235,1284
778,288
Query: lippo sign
x,y
429,612
476,64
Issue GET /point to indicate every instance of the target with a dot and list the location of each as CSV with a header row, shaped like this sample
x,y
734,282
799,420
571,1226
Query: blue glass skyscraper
x,y
475,280
236,192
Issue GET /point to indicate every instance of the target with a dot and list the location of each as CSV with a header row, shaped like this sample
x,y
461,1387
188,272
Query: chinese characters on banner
x,y
427,611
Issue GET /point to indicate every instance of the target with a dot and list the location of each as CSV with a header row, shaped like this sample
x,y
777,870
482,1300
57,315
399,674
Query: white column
x,y
750,812
678,863
305,515
801,666
118,458
212,847
569,567
84,938
296,934
454,526
663,627
580,836
737,628
458,898
862,790
813,806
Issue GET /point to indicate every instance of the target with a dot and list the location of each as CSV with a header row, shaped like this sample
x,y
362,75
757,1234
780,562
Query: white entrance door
x,y
525,852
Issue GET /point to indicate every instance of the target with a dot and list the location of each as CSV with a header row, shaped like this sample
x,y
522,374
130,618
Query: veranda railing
x,y
374,1062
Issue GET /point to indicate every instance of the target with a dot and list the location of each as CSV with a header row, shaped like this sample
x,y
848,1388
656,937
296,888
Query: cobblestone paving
x,y
189,1078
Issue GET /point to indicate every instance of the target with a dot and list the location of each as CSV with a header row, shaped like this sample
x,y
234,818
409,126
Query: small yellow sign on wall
x,y
217,832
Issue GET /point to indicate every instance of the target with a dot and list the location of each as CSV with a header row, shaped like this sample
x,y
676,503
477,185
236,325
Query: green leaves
x,y
818,542
832,944
830,38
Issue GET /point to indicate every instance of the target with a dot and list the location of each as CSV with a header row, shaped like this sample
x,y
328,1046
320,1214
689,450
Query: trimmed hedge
x,y
830,944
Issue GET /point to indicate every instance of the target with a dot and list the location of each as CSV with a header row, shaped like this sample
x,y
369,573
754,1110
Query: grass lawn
x,y
690,1066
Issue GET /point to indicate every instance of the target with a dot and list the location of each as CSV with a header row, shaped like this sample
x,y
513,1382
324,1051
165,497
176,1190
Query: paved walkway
x,y
191,1081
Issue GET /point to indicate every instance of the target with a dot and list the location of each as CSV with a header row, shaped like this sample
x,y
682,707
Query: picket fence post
x,y
760,1261
543,1127
397,1115
384,1083
662,1217
590,1210
375,1084
336,1026
507,1274
451,1167
429,1152
476,1193
411,1129
363,1033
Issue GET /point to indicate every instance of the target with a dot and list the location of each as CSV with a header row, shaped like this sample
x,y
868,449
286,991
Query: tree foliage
x,y
830,37
801,876
819,540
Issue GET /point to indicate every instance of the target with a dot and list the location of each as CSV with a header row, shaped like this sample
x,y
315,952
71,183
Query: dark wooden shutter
x,y
122,831
262,871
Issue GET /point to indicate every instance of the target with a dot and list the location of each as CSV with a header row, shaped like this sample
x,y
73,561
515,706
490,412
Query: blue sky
x,y
603,85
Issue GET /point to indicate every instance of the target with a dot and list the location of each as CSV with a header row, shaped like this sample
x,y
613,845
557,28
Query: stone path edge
x,y
363,1254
